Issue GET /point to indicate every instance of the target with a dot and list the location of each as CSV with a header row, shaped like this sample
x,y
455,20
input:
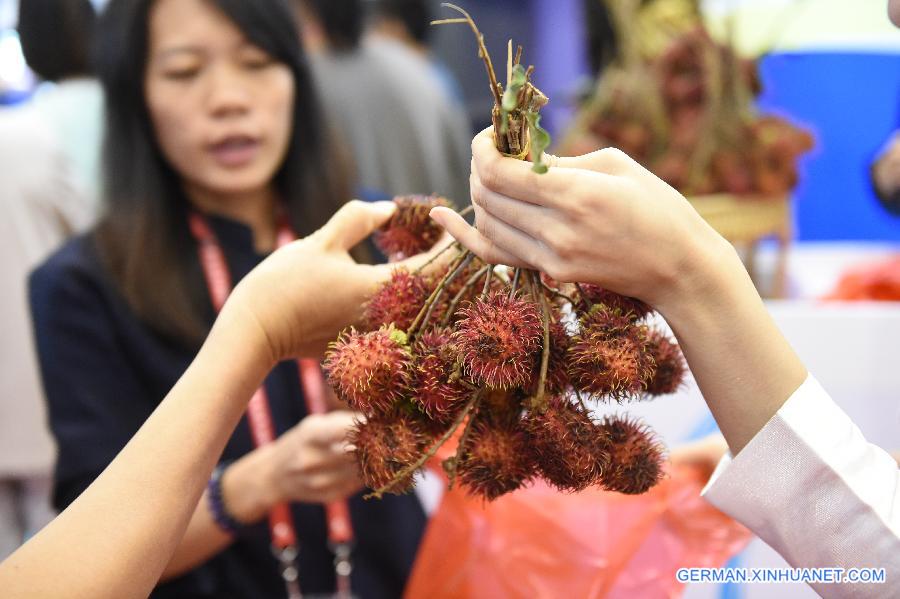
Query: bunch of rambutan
x,y
506,359
688,115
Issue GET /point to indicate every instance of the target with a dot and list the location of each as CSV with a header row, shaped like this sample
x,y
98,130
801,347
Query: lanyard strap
x,y
259,417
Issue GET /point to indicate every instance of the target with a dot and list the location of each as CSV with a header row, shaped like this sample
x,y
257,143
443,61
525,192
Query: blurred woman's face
x,y
221,107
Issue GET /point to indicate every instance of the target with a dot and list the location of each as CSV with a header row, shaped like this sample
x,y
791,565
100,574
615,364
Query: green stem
x,y
515,283
460,449
411,331
462,266
482,49
431,260
458,297
539,401
584,297
558,293
581,400
412,468
487,281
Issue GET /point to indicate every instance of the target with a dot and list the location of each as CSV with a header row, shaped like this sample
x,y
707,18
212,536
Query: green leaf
x,y
513,87
510,98
540,141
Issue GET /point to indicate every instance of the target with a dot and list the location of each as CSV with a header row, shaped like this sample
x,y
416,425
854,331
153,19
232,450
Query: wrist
x,y
248,488
711,281
218,508
238,330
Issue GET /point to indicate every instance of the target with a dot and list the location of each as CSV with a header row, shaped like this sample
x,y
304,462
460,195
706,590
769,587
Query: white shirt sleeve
x,y
812,487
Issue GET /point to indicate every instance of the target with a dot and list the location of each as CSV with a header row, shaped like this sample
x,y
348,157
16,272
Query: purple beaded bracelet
x,y
223,519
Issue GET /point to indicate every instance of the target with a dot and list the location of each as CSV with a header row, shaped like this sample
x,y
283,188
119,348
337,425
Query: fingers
x,y
525,249
528,218
322,485
354,222
514,178
467,235
610,161
328,488
327,430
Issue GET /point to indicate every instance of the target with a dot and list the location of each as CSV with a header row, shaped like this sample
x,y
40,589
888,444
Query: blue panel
x,y
852,102
559,57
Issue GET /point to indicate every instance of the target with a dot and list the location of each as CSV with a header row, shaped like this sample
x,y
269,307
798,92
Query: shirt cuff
x,y
806,469
813,419
757,446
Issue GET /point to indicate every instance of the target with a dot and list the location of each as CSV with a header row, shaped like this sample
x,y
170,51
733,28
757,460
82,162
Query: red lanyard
x,y
259,417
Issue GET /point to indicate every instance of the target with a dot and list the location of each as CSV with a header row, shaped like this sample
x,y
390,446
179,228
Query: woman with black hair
x,y
215,155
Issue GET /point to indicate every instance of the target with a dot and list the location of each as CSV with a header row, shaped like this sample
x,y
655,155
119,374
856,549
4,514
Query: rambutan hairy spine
x,y
671,367
498,338
636,456
370,371
494,460
569,449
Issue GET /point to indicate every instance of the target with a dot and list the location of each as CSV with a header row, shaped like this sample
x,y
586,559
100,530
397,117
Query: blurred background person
x,y
56,38
46,147
212,122
409,21
886,175
406,133
39,207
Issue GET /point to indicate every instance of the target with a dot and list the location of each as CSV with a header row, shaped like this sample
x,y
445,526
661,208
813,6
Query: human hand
x,y
599,218
304,294
886,170
313,462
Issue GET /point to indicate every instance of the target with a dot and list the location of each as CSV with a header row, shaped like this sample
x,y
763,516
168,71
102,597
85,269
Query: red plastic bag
x,y
872,282
538,543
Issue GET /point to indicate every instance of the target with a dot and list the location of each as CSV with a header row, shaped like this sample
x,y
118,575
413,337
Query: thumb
x,y
354,222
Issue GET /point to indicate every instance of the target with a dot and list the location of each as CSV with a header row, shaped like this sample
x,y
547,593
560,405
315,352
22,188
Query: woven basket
x,y
747,220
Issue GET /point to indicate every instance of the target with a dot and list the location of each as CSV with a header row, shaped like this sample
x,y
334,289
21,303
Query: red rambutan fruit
x,y
670,365
603,320
370,371
410,230
594,294
495,460
497,338
610,356
434,388
636,456
568,447
397,301
385,445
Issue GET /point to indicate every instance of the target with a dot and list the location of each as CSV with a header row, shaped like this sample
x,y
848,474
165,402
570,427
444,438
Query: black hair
x,y
602,46
414,14
342,21
143,237
56,37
